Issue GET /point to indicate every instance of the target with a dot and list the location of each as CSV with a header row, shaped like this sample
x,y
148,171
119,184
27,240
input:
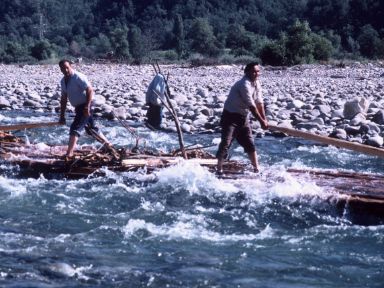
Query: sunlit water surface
x,y
182,226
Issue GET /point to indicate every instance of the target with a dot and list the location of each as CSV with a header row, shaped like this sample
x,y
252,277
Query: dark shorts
x,y
234,126
155,115
82,122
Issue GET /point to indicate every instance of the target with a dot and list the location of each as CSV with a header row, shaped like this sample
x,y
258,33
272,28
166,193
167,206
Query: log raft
x,y
358,193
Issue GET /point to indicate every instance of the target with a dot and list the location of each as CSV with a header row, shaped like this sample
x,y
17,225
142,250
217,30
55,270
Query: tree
x,y
42,50
299,46
119,42
101,45
239,40
178,31
202,38
274,52
369,41
137,46
14,52
322,48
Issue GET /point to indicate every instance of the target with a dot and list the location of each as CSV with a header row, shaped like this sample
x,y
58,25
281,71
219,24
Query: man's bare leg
x,y
253,157
71,145
220,165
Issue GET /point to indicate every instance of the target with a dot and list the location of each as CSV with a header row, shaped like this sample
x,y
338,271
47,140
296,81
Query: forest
x,y
274,32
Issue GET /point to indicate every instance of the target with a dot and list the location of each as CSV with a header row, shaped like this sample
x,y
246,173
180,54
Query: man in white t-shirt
x,y
76,88
245,96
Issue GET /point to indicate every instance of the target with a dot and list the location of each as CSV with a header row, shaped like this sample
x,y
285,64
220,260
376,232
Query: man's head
x,y
252,70
65,67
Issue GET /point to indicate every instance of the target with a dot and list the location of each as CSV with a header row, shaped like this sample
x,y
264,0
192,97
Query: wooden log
x,y
27,126
165,161
331,141
173,112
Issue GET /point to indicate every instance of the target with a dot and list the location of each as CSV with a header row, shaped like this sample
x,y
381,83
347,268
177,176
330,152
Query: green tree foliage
x,y
138,46
203,39
369,41
38,29
42,50
241,42
274,53
299,44
179,36
322,48
119,41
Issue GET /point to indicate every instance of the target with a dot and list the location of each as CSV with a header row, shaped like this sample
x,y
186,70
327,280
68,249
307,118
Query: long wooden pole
x,y
331,141
167,95
27,126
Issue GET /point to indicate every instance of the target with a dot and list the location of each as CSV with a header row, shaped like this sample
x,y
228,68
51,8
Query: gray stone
x,y
353,130
379,117
375,140
358,119
120,112
339,134
185,127
98,99
324,109
4,102
31,103
308,126
207,112
295,104
354,107
337,113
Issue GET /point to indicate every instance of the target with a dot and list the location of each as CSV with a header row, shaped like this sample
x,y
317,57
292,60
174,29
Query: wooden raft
x,y
360,193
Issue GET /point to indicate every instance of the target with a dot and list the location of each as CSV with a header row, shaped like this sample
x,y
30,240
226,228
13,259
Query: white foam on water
x,y
189,227
67,270
193,177
274,182
216,141
154,207
15,188
42,146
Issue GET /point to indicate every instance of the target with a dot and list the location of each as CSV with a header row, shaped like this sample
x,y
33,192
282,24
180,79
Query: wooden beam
x,y
165,161
331,141
27,126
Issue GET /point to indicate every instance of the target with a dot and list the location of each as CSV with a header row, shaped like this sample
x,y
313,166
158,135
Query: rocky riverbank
x,y
344,102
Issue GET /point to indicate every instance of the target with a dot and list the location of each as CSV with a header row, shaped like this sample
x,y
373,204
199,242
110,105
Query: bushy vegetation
x,y
278,32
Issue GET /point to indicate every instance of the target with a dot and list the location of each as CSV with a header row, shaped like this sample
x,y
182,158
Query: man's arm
x,y
89,95
63,107
259,113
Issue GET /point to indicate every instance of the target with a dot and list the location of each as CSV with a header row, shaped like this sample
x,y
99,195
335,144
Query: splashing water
x,y
181,226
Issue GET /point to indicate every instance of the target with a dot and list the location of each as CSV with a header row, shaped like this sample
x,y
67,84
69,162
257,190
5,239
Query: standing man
x,y
154,98
245,96
76,88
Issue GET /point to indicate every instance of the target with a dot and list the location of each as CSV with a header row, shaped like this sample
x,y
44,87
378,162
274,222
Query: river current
x,y
182,226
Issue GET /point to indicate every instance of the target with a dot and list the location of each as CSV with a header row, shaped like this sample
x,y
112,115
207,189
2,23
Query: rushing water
x,y
182,226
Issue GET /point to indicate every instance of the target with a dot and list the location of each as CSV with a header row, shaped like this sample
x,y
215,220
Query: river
x,y
182,226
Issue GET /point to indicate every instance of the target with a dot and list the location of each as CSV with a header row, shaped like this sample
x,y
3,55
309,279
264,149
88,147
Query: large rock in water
x,y
354,107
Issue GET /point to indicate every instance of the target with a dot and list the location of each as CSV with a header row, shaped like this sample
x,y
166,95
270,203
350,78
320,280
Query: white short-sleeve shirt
x,y
243,95
75,88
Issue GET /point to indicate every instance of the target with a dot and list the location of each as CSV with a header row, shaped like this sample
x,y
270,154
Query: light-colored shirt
x,y
155,90
75,88
243,95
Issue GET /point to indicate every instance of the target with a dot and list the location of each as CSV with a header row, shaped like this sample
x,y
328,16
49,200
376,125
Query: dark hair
x,y
62,61
249,66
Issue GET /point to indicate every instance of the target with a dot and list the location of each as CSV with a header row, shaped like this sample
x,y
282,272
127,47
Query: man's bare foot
x,y
68,158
